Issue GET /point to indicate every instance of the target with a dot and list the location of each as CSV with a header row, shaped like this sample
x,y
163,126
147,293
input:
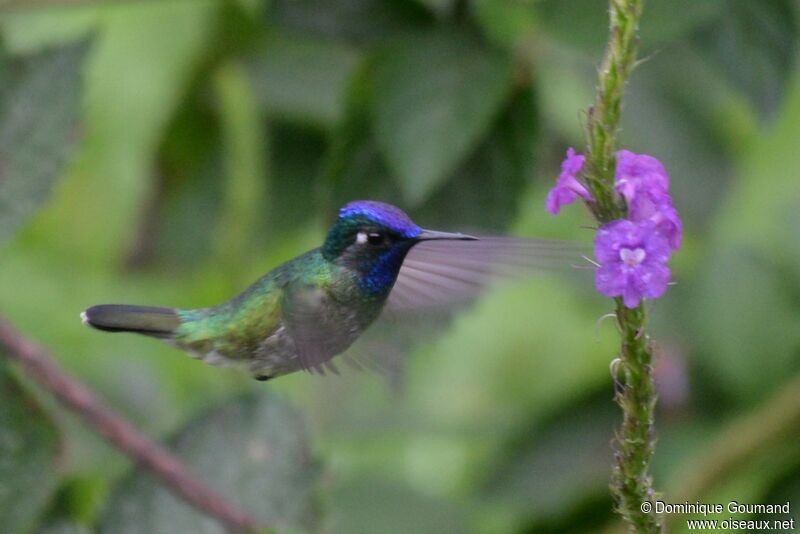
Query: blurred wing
x,y
435,276
438,274
315,330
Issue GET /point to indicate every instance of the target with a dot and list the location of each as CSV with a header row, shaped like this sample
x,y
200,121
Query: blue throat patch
x,y
381,277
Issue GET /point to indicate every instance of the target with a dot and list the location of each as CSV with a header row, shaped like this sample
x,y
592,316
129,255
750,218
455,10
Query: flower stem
x,y
604,115
631,481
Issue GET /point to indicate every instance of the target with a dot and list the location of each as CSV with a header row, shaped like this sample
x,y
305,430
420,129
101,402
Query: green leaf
x,y
29,446
552,467
353,167
748,293
184,207
506,22
666,116
435,97
40,101
440,8
131,97
297,155
508,354
666,21
755,45
244,164
484,192
252,450
743,293
303,80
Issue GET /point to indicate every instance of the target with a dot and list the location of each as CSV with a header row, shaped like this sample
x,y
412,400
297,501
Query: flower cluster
x,y
632,252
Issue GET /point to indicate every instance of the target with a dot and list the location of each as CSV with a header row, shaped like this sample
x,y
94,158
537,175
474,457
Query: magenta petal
x,y
550,204
658,209
642,168
633,258
631,297
567,188
639,174
573,163
557,197
670,224
572,183
627,189
655,280
611,237
609,281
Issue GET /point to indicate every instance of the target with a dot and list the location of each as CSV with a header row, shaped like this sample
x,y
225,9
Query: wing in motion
x,y
321,327
438,274
439,277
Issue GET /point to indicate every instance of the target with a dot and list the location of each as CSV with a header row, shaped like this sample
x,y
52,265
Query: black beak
x,y
430,235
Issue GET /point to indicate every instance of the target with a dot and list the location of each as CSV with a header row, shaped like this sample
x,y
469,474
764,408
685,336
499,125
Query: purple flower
x,y
639,174
567,188
644,183
633,261
658,209
633,252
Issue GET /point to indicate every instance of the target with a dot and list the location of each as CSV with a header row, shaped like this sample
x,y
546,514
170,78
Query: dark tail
x,y
147,320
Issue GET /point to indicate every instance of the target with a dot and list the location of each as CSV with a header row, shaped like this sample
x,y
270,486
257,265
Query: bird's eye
x,y
375,238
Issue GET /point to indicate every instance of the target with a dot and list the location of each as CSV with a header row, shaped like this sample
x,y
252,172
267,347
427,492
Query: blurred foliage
x,y
38,126
256,453
177,150
29,447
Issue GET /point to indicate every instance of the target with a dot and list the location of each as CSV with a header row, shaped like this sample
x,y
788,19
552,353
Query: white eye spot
x,y
361,238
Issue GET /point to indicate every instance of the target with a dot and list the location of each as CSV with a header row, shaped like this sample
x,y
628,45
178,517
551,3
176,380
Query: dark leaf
x,y
184,203
253,450
303,80
435,97
483,193
355,21
353,168
297,155
667,116
755,46
29,445
747,295
552,468
40,101
746,310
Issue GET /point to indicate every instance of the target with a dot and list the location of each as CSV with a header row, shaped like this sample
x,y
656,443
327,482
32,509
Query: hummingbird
x,y
314,307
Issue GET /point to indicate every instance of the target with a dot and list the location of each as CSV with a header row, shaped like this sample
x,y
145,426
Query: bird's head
x,y
373,238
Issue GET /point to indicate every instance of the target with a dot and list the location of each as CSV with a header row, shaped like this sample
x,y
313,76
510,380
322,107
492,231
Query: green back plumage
x,y
236,328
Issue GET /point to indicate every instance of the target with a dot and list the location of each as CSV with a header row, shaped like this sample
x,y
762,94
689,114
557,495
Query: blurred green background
x,y
170,152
